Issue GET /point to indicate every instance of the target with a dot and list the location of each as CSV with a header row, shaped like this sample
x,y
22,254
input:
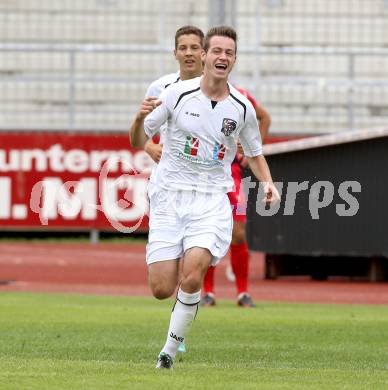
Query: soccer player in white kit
x,y
190,213
188,49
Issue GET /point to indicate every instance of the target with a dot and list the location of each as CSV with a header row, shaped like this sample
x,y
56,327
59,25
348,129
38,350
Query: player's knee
x,y
193,281
162,292
160,289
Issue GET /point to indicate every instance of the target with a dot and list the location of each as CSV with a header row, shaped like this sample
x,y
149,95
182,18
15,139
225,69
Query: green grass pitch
x,y
74,342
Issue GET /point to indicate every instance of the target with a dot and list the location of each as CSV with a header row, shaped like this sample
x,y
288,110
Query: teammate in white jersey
x,y
188,50
190,214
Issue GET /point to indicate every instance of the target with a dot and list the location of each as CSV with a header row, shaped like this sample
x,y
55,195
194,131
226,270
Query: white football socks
x,y
182,316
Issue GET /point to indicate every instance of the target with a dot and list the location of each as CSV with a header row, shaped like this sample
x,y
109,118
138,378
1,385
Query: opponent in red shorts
x,y
239,253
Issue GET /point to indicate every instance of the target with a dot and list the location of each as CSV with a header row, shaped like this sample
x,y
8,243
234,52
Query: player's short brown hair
x,y
187,30
220,31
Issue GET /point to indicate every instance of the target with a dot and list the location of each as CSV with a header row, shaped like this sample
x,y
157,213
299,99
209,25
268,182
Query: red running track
x,y
118,269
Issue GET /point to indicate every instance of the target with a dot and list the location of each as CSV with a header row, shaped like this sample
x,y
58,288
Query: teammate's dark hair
x,y
186,30
220,31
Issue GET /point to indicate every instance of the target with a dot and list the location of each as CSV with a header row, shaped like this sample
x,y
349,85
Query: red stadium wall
x,y
72,181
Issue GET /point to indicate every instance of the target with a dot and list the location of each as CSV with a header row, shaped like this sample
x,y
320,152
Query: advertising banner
x,y
72,181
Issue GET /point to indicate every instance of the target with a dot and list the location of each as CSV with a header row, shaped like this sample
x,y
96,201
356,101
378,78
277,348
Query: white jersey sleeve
x,y
159,115
155,89
250,138
159,85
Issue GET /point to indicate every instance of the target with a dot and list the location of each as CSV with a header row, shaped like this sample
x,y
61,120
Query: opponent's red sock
x,y
208,283
240,262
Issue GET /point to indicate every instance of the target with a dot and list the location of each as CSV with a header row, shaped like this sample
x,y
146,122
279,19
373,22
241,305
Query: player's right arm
x,y
137,135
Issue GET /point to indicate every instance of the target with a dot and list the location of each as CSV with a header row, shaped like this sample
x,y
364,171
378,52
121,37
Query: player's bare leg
x,y
196,262
163,278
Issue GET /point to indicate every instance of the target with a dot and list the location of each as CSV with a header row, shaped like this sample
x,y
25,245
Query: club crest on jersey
x,y
228,126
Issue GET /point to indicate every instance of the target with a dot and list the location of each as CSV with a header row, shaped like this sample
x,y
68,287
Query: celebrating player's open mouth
x,y
221,67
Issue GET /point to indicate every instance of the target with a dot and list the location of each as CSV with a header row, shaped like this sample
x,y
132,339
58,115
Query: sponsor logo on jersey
x,y
190,152
219,151
228,126
191,145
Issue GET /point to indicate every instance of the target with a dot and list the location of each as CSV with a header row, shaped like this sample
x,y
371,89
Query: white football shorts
x,y
180,220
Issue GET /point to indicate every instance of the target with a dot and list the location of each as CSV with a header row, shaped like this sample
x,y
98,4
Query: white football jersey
x,y
159,85
156,88
201,137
